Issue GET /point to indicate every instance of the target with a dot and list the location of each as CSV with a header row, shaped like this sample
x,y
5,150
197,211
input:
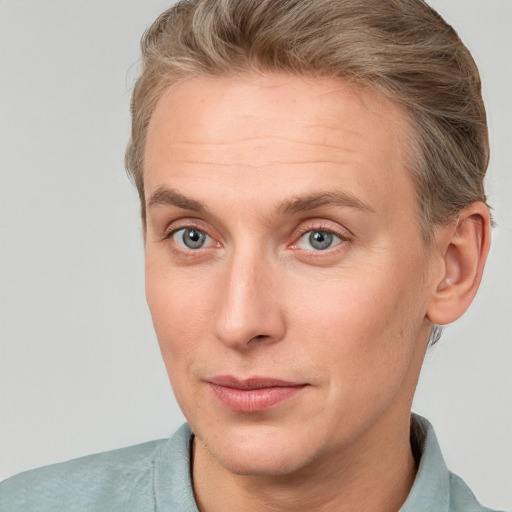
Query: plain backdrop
x,y
80,367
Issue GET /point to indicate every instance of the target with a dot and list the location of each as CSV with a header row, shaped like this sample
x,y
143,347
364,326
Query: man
x,y
311,183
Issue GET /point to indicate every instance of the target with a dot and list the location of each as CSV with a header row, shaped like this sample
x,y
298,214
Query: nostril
x,y
259,337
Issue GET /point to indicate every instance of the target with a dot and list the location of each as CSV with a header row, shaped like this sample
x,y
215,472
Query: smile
x,y
252,395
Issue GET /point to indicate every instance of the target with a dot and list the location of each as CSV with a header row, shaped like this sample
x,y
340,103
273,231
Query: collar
x,y
431,488
430,491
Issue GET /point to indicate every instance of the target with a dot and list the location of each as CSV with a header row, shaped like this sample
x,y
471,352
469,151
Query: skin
x,y
239,159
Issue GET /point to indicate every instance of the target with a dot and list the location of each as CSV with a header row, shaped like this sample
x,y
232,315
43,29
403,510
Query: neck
x,y
374,474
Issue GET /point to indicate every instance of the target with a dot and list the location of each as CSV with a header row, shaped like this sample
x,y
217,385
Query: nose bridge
x,y
247,308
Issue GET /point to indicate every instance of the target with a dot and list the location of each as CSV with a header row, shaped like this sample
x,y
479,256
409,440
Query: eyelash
x,y
323,228
188,224
344,237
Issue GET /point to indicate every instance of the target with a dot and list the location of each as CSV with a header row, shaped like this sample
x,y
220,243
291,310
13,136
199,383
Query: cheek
x,y
179,307
362,328
179,321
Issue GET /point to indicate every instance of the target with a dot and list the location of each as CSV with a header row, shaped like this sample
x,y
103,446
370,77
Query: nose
x,y
249,311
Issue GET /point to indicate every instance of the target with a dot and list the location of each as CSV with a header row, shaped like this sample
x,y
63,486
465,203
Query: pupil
x,y
320,240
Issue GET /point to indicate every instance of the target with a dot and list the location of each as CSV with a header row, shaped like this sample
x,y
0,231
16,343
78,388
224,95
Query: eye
x,y
318,240
191,238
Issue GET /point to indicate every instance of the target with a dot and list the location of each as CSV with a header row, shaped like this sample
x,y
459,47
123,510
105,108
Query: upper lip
x,y
252,383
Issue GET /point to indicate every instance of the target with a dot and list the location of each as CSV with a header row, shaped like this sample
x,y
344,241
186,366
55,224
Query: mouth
x,y
253,395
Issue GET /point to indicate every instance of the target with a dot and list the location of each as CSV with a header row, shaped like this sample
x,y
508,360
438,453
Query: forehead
x,y
248,133
245,106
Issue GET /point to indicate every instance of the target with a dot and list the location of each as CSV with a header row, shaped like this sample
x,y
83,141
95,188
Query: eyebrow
x,y
314,201
164,196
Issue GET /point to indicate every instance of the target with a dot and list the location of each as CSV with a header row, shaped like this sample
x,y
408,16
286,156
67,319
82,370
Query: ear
x,y
462,250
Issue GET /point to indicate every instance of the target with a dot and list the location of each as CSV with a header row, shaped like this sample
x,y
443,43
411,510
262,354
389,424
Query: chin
x,y
258,462
263,453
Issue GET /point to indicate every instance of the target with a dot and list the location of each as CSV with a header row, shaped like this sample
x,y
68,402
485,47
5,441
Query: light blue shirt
x,y
155,476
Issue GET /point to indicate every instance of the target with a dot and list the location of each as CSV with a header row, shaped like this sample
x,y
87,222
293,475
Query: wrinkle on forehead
x,y
283,126
261,152
257,140
313,114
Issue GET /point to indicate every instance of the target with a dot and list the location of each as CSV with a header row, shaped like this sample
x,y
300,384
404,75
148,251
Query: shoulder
x,y
116,480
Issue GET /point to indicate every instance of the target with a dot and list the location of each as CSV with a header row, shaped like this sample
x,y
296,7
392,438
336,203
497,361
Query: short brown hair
x,y
402,48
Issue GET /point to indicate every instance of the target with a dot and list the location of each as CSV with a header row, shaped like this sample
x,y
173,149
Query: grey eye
x,y
318,240
190,238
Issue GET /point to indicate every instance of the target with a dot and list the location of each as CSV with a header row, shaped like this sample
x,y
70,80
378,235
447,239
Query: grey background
x,y
80,370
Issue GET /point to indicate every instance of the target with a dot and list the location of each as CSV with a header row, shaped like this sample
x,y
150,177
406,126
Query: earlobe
x,y
463,249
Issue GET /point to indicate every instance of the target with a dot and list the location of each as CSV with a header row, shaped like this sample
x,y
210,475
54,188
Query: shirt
x,y
156,477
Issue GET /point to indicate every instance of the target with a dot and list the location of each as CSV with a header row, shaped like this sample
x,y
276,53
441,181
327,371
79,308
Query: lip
x,y
256,394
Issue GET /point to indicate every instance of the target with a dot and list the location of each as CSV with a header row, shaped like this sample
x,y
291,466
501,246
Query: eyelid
x,y
181,244
189,223
343,233
321,225
336,240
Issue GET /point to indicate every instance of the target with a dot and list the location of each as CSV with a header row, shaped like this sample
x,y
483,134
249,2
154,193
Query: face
x,y
285,270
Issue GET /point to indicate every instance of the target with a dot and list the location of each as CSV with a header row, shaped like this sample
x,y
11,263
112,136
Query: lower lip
x,y
253,400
